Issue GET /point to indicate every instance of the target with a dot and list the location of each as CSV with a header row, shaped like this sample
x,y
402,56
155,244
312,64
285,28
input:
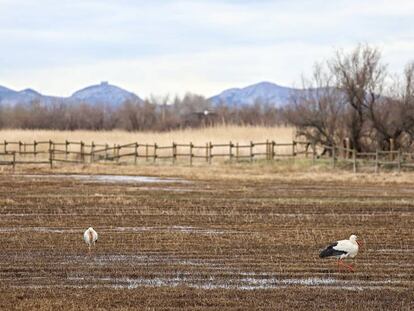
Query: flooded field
x,y
205,244
109,178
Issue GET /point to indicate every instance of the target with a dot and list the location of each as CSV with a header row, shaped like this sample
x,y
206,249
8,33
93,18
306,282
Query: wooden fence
x,y
50,152
376,160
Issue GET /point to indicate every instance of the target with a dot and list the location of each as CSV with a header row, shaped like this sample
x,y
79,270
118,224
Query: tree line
x,y
153,114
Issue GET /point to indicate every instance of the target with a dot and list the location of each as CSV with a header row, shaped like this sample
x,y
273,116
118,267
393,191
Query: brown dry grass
x,y
166,246
219,134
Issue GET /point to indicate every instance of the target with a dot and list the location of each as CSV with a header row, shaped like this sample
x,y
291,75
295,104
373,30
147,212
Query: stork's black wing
x,y
331,251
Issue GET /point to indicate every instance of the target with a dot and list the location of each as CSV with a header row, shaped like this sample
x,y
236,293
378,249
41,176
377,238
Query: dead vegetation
x,y
217,134
352,99
213,243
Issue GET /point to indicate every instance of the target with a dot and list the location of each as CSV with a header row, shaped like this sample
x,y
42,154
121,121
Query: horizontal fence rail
x,y
49,152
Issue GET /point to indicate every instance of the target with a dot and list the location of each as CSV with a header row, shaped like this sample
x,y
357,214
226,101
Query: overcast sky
x,y
159,47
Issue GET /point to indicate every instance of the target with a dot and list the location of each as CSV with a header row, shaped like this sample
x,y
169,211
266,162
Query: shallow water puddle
x,y
251,283
181,229
395,250
39,229
112,178
147,260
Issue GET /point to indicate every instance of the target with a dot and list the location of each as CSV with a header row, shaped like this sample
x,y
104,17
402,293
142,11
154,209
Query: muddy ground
x,y
202,244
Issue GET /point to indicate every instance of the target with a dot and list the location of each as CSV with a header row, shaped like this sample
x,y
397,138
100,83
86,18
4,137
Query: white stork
x,y
90,237
343,249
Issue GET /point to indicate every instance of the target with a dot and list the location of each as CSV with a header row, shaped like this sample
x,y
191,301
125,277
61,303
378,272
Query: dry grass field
x,y
218,134
205,242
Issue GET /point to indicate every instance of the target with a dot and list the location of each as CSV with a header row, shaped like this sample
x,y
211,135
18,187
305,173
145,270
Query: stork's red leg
x,y
339,265
349,267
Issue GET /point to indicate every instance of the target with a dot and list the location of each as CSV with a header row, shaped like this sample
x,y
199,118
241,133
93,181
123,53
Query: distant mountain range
x,y
107,94
104,93
11,97
100,94
264,92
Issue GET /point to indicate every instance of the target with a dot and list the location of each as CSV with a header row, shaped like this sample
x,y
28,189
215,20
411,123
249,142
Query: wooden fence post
x,y
106,151
210,152
20,147
399,160
207,157
50,144
313,152
273,149
66,149
50,154
118,151
307,150
191,154
146,153
354,163
230,151
35,149
251,151
5,146
155,152
392,148
174,152
347,148
92,152
135,153
82,153
267,150
293,148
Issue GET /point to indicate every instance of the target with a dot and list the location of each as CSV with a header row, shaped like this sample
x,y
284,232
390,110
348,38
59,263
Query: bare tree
x,y
392,116
360,76
318,111
406,100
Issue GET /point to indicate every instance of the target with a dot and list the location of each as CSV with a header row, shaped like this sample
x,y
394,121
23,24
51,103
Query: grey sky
x,y
159,47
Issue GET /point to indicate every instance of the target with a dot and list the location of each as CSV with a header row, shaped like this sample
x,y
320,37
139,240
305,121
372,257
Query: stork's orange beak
x,y
360,243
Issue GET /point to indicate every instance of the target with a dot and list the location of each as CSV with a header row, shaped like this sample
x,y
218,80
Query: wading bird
x,y
90,237
343,249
